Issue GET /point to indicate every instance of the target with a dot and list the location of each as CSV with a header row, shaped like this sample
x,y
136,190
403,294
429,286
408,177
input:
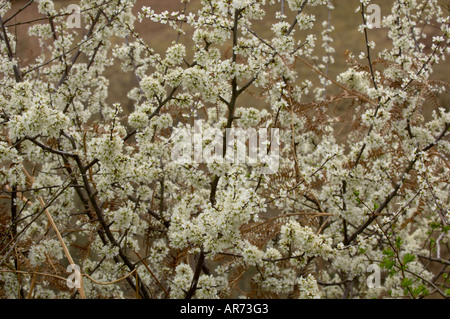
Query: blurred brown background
x,y
159,36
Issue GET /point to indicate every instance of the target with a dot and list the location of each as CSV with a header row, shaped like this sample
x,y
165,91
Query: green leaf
x,y
421,290
398,242
408,258
406,282
435,225
387,263
432,242
447,292
388,252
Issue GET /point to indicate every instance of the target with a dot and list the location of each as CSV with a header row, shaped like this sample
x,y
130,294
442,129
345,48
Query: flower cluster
x,y
88,175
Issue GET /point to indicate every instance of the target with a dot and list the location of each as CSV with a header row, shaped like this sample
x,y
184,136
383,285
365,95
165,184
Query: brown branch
x,y
153,275
438,260
391,196
358,94
17,73
18,11
198,269
77,54
98,211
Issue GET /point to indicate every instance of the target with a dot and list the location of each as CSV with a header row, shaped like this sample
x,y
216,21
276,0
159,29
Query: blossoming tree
x,y
88,184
